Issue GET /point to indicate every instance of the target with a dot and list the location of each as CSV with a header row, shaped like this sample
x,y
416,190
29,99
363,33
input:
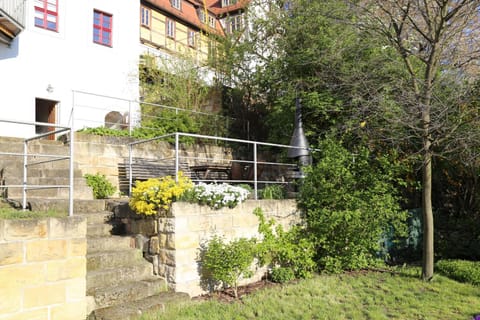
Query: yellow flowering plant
x,y
153,194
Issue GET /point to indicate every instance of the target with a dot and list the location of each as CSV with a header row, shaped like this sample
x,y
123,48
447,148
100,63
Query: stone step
x,y
80,206
111,277
16,145
99,244
133,309
110,259
14,172
98,217
80,189
100,229
79,192
128,291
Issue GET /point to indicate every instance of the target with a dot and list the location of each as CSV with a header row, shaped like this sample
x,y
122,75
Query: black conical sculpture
x,y
299,140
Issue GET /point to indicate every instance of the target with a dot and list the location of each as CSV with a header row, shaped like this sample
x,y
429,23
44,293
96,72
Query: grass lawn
x,y
10,213
372,295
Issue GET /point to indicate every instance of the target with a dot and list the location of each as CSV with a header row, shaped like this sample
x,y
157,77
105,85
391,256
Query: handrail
x,y
255,162
48,158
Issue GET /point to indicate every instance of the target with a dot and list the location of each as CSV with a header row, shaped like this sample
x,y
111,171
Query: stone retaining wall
x,y
104,155
175,237
43,269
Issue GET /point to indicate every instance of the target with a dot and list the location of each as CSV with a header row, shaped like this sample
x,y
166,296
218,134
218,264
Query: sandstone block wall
x,y
43,269
175,237
105,155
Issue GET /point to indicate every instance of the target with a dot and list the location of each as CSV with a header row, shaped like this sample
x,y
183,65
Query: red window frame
x,y
43,13
102,28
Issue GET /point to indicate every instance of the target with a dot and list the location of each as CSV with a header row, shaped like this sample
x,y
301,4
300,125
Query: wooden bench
x,y
144,169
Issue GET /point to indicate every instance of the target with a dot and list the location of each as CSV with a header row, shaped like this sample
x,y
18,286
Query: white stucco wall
x,y
69,60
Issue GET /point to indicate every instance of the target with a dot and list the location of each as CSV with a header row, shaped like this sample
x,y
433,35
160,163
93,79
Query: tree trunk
x,y
427,257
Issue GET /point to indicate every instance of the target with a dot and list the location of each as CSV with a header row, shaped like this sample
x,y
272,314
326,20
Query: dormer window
x,y
201,15
177,4
211,21
226,3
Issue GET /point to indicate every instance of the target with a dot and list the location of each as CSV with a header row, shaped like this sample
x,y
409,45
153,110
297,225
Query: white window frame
x,y
170,28
145,16
177,4
201,15
235,23
211,21
226,3
192,35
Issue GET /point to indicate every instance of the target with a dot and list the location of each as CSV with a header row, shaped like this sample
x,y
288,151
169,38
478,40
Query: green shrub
x,y
460,270
102,188
350,202
282,274
273,191
227,263
285,249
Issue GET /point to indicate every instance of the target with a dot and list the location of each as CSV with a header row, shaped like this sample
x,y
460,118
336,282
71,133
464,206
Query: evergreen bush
x,y
350,201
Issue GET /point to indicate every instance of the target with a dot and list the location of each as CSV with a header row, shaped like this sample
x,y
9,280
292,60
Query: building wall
x,y
155,41
69,60
43,269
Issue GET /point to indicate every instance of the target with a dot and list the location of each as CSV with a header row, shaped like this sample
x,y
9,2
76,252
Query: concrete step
x,y
110,259
112,243
128,291
138,307
111,277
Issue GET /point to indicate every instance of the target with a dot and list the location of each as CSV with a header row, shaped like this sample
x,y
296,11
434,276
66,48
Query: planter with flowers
x,y
177,217
148,197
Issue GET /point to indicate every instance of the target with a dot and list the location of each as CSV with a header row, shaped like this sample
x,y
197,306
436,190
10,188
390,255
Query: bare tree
x,y
436,40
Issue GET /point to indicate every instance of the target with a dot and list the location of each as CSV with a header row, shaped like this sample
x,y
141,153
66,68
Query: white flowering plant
x,y
218,195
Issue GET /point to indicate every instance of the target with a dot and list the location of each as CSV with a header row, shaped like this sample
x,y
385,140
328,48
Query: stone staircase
x,y
120,282
45,174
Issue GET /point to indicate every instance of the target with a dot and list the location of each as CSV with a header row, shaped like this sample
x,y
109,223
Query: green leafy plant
x,y
153,194
273,191
282,274
102,188
350,201
290,249
227,263
460,270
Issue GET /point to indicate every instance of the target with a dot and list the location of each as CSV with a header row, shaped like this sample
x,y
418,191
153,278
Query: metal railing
x,y
30,160
281,170
88,106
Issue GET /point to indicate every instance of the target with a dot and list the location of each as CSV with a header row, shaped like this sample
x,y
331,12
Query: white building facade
x,y
69,54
